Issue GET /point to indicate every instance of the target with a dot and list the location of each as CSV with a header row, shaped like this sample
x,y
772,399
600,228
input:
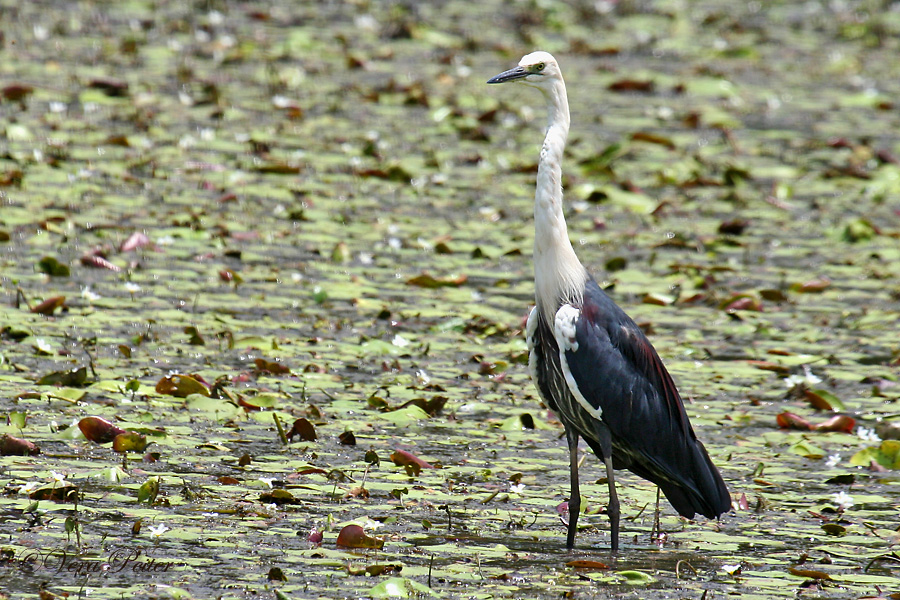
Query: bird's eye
x,y
540,66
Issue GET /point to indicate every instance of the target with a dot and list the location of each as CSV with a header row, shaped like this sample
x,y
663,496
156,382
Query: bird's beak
x,y
511,75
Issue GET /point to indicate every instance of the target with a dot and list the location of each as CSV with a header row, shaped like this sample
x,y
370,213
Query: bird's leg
x,y
656,526
613,508
575,493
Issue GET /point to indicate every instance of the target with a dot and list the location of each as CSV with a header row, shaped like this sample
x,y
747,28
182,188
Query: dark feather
x,y
617,370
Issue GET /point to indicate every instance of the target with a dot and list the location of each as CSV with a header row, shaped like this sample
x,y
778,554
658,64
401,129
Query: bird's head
x,y
538,69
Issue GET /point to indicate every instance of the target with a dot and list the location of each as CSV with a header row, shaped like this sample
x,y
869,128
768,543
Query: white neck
x,y
558,274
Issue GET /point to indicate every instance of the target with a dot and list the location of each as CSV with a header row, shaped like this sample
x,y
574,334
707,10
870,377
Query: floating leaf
x,y
887,454
17,419
632,85
99,431
733,227
809,574
376,570
770,366
652,138
401,587
181,386
271,366
813,286
304,429
278,168
741,302
315,537
134,241
859,230
522,421
195,338
13,446
427,281
98,262
842,423
773,295
340,253
278,496
149,490
129,441
823,400
402,458
636,577
657,299
73,378
114,88
52,267
16,92
807,449
49,305
353,536
788,420
846,479
56,493
591,565
347,438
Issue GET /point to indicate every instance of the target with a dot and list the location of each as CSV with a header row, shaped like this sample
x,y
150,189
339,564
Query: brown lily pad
x,y
99,431
353,536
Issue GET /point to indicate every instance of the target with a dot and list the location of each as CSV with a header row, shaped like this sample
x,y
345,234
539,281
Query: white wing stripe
x,y
564,331
530,333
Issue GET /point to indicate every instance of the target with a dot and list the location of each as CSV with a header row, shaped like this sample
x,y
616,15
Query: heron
x,y
591,364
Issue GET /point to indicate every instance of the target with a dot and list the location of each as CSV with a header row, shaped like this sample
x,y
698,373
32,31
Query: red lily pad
x,y
353,536
13,446
304,429
99,431
587,565
402,458
134,241
49,305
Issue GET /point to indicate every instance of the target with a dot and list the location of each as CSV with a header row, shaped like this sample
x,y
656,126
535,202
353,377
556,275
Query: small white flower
x,y
833,460
132,288
158,530
267,480
808,378
867,435
59,477
517,488
88,294
400,341
282,102
843,500
29,487
422,377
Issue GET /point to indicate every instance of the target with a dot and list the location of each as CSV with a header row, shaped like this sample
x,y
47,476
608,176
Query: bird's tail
x,y
699,489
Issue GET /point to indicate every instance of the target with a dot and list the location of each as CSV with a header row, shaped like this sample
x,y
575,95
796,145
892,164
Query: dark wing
x,y
616,370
